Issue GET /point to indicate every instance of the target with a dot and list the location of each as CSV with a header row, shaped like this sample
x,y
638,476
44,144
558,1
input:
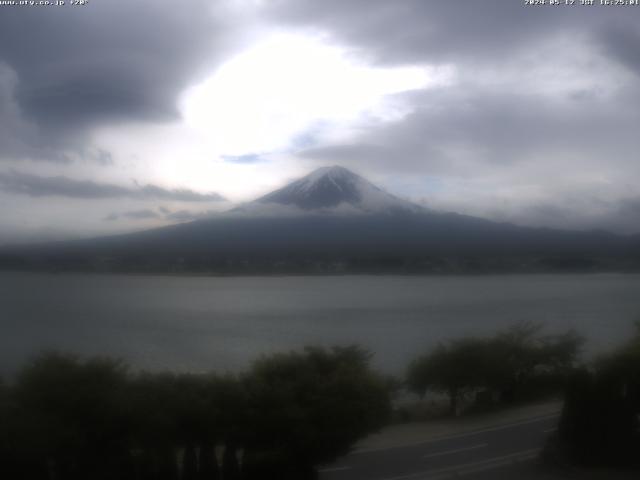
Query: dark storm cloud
x,y
441,31
621,41
60,186
67,69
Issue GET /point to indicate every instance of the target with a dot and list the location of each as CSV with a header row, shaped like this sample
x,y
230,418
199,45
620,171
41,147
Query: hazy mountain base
x,y
312,266
402,243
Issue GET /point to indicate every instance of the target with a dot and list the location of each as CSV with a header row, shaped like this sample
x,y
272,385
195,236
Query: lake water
x,y
205,323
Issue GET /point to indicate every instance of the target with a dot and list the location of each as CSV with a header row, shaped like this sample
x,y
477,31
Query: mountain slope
x,y
342,223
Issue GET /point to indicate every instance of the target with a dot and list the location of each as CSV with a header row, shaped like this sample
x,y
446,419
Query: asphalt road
x,y
506,451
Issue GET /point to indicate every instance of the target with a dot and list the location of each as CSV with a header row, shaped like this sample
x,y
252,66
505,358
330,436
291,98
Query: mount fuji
x,y
331,190
334,221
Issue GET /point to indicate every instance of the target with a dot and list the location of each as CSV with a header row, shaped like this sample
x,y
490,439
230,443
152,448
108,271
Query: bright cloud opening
x,y
261,99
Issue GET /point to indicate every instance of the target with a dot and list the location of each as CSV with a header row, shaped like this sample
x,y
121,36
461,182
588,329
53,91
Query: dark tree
x,y
456,368
309,408
509,363
600,419
73,417
68,418
524,356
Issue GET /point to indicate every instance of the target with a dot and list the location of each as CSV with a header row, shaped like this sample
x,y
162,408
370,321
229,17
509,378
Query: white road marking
x,y
473,467
457,450
458,435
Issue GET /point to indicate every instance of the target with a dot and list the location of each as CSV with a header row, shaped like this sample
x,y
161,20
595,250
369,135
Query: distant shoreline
x,y
319,275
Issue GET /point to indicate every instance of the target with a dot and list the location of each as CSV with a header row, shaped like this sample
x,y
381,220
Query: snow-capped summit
x,y
335,190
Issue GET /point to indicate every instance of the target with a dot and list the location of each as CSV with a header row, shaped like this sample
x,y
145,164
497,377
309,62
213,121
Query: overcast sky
x,y
120,115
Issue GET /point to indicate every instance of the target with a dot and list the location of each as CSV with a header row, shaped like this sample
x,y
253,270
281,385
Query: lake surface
x,y
213,323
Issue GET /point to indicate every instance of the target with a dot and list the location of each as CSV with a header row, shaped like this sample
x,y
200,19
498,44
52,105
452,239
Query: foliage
x,y
600,419
71,414
71,418
310,407
456,368
505,363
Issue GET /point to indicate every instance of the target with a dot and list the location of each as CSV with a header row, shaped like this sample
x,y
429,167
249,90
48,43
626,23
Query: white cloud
x,y
286,83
